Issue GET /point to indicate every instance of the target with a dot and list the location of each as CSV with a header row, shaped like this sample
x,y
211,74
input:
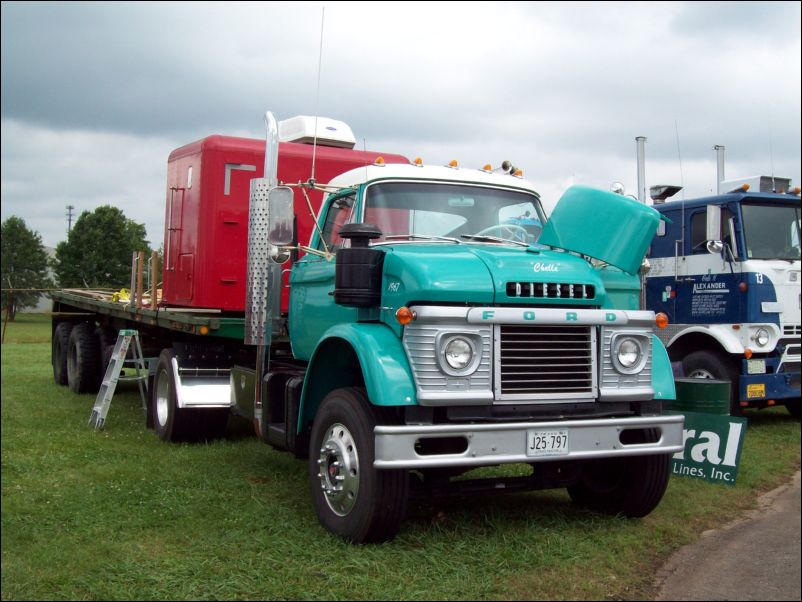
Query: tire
x,y
365,505
107,338
83,359
715,365
169,421
632,486
59,351
176,424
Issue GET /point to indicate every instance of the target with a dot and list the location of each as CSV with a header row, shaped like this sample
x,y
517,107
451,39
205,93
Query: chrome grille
x,y
545,362
612,381
550,290
432,384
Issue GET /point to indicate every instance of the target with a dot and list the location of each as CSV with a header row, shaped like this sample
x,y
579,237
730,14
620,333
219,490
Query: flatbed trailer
x,y
195,321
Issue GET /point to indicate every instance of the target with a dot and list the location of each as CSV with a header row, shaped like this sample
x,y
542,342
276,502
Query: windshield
x,y
771,231
451,211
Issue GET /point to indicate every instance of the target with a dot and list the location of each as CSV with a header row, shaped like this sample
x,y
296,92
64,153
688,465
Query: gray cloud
x,y
95,95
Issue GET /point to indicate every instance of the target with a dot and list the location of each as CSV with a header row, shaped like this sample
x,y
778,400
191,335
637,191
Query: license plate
x,y
755,391
546,443
756,366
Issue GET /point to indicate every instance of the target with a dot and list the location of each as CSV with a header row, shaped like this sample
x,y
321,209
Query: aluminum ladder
x,y
112,377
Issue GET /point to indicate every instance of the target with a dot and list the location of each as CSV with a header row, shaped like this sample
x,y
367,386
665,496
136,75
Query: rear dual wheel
x,y
59,350
173,423
84,372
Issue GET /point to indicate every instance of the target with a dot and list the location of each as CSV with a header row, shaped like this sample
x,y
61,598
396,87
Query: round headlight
x,y
628,352
459,353
762,337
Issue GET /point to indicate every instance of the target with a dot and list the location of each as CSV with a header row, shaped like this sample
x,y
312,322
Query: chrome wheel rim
x,y
338,469
162,398
702,373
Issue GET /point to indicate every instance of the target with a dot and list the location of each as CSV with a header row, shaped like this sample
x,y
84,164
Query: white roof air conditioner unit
x,y
330,132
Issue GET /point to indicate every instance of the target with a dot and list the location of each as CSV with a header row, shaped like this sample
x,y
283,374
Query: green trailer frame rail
x,y
179,319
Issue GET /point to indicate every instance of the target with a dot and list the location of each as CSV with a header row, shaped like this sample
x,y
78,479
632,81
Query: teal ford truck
x,y
430,333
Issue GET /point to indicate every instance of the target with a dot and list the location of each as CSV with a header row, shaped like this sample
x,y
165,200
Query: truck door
x,y
707,283
312,307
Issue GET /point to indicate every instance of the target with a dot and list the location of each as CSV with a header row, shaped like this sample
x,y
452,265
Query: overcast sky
x,y
95,95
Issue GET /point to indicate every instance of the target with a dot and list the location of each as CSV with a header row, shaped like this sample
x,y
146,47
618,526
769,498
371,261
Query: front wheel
x,y
352,498
632,486
716,366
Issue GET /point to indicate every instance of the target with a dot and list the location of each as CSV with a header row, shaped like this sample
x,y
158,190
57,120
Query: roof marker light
x,y
418,161
745,187
488,168
453,164
518,173
379,161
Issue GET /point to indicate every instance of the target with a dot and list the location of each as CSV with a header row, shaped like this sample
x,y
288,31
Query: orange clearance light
x,y
379,161
418,161
204,330
661,320
796,191
453,164
743,287
771,402
404,315
487,167
518,173
736,327
745,187
748,353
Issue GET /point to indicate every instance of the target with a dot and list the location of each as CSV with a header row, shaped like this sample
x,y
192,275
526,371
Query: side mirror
x,y
280,223
280,216
714,244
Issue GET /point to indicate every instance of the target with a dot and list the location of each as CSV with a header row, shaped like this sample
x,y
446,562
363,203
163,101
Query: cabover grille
x,y
792,329
550,290
545,361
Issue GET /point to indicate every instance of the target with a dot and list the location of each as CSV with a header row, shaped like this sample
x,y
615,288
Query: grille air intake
x,y
546,360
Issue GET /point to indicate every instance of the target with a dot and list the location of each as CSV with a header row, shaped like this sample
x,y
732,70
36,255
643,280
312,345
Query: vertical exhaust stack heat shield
x,y
719,166
262,303
640,144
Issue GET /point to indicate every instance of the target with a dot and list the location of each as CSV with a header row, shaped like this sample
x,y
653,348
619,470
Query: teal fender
x,y
358,354
662,375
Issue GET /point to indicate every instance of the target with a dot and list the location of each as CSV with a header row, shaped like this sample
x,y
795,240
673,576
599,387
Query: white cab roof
x,y
395,171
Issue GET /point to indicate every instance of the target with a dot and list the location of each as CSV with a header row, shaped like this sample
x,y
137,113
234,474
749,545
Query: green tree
x,y
98,250
24,266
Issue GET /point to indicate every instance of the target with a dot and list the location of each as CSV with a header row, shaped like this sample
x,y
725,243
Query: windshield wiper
x,y
485,238
420,236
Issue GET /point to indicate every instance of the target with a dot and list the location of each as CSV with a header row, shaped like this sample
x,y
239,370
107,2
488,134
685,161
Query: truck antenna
x,y
317,93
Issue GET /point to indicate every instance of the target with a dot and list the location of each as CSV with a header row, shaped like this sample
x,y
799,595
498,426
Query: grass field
x,y
118,515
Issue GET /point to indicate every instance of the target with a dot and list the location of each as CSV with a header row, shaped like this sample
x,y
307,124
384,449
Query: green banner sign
x,y
713,446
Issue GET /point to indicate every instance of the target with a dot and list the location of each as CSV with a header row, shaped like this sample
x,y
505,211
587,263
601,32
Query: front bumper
x,y
506,443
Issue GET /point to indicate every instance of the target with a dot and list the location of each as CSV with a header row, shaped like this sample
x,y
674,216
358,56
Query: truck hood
x,y
602,225
484,274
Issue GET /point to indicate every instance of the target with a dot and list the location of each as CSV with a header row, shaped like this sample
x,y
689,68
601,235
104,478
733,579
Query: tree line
x,y
96,254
